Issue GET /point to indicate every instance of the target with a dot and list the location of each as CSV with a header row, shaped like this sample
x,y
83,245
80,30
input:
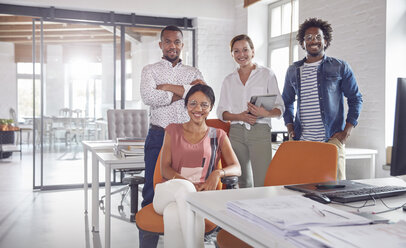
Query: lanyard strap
x,y
214,145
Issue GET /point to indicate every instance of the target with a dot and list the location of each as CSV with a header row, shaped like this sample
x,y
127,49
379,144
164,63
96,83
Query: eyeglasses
x,y
310,37
193,104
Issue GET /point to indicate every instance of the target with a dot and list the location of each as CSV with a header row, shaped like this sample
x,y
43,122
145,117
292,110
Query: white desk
x,y
212,205
358,153
93,147
110,162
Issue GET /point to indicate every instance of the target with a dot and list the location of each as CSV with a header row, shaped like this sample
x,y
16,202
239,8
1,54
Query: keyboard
x,y
362,194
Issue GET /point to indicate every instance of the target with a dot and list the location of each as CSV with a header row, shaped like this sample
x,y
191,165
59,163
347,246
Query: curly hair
x,y
317,23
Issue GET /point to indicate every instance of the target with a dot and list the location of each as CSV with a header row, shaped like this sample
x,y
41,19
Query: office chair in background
x,y
24,128
148,220
127,123
295,162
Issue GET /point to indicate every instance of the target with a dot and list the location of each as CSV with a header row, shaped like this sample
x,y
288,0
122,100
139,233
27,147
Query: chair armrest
x,y
231,182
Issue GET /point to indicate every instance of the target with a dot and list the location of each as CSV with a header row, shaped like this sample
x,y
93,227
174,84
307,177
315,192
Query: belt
x,y
155,127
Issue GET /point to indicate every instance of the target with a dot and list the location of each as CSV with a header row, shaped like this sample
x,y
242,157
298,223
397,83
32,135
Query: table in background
x,y
8,142
93,147
212,206
110,162
359,153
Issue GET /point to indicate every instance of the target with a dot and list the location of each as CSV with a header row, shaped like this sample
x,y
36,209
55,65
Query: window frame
x,y
283,40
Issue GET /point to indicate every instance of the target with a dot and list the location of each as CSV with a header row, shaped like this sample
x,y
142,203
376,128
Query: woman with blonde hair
x,y
250,132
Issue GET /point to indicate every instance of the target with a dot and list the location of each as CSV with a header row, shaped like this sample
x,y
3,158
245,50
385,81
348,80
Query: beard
x,y
171,59
312,53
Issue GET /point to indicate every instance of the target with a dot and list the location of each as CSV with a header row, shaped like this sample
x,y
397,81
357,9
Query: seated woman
x,y
190,155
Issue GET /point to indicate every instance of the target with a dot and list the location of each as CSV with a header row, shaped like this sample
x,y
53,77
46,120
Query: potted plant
x,y
7,125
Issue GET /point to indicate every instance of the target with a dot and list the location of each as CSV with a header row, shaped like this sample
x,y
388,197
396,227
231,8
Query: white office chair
x,y
128,123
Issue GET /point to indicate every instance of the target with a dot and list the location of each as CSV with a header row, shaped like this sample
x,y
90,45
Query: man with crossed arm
x,y
164,85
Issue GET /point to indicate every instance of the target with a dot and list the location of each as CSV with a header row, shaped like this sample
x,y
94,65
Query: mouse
x,y
318,197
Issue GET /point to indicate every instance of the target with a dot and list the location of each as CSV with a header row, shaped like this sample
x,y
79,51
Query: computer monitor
x,y
398,164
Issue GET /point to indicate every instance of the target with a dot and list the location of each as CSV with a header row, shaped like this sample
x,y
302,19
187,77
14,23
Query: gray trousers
x,y
254,152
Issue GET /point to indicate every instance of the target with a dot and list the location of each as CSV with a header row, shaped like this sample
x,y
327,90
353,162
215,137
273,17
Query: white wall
x,y
258,31
395,58
359,38
8,81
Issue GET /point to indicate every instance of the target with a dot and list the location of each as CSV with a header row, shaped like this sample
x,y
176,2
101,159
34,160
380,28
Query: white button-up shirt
x,y
235,96
162,111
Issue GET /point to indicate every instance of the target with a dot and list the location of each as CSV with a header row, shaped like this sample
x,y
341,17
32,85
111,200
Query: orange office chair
x,y
148,220
217,123
295,162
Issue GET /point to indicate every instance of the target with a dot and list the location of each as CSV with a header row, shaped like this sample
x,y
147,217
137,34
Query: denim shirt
x,y
335,80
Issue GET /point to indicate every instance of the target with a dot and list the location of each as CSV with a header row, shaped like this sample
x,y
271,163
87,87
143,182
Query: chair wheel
x,y
120,208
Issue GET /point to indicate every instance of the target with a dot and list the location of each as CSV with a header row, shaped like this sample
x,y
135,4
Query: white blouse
x,y
235,96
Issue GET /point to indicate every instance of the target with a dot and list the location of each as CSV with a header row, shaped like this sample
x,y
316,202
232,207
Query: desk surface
x,y
116,162
212,205
359,151
101,144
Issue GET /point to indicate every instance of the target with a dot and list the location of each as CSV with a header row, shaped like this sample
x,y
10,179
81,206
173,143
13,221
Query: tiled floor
x,y
47,219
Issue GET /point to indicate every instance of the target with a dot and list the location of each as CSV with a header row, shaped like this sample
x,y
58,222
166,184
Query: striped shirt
x,y
312,124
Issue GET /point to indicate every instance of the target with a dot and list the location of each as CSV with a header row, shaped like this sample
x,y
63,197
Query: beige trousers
x,y
340,159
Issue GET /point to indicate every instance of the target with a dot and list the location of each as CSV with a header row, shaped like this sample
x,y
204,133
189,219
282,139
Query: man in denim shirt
x,y
320,84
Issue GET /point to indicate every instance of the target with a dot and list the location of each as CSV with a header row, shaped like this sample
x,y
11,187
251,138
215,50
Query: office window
x,y
282,45
25,90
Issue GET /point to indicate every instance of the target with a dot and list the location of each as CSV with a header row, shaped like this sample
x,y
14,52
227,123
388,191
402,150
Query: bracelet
x,y
224,172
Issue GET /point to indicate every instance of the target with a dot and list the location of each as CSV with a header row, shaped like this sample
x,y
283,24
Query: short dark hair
x,y
317,23
241,37
207,90
171,28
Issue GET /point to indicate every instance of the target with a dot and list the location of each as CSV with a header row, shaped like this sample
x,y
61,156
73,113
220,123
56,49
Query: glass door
x,y
68,67
76,89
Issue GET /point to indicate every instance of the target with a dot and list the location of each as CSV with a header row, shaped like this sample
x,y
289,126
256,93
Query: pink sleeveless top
x,y
188,156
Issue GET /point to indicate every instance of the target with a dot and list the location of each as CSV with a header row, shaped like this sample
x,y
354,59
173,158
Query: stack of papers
x,y
306,223
126,147
287,215
366,236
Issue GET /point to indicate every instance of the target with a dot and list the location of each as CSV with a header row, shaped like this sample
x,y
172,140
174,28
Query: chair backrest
x,y
297,162
127,123
67,112
217,123
13,116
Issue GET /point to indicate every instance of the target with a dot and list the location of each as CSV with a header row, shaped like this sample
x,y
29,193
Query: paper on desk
x,y
305,242
366,236
292,213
